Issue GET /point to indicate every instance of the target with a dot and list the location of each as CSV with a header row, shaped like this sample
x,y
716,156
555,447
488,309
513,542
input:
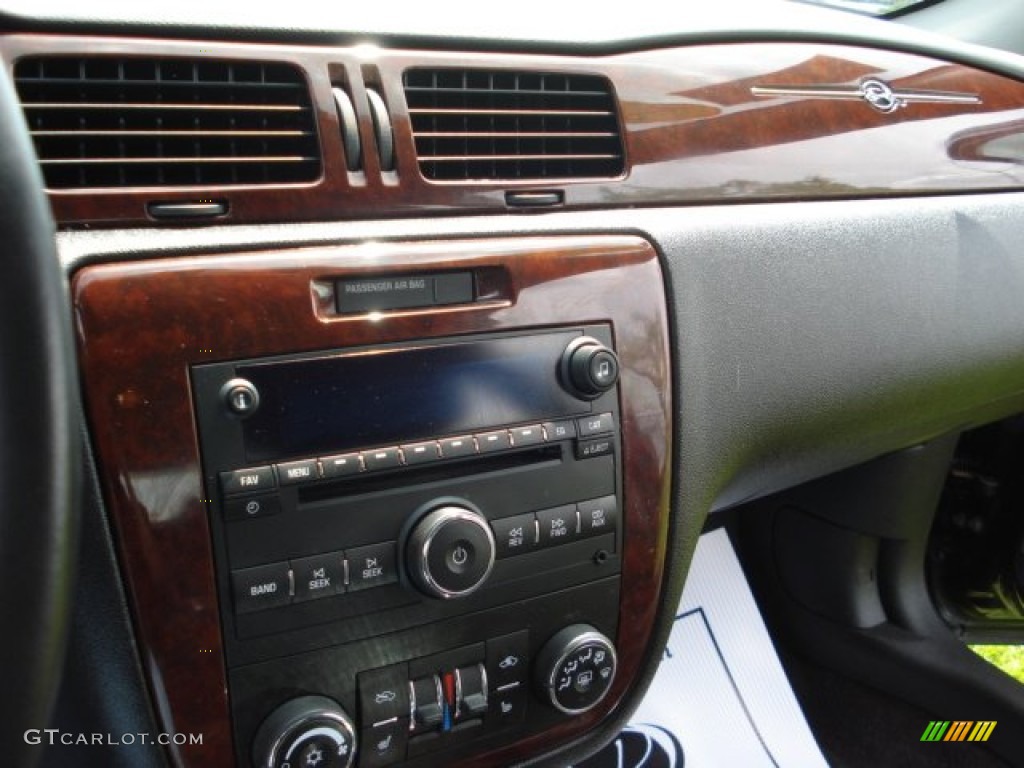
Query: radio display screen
x,y
392,395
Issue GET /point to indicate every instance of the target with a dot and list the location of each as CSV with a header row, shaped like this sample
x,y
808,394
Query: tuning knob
x,y
308,731
589,368
450,551
575,669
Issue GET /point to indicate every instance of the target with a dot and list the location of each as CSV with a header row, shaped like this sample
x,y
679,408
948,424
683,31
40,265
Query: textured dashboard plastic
x,y
808,337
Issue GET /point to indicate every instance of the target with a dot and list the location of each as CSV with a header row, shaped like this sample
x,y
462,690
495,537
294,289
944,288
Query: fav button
x,y
372,566
248,480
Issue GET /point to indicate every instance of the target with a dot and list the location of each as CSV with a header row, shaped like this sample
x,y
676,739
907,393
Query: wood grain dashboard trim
x,y
140,326
693,130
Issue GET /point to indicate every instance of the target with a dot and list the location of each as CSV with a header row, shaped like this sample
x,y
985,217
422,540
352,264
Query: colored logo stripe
x,y
982,730
958,730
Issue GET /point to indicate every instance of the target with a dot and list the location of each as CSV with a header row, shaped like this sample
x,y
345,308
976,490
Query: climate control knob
x,y
307,731
575,669
589,368
450,551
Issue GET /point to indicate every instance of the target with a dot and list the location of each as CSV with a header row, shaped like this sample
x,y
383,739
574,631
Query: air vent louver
x,y
502,125
128,122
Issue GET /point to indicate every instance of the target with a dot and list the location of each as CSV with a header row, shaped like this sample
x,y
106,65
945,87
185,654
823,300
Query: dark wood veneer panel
x,y
141,325
694,132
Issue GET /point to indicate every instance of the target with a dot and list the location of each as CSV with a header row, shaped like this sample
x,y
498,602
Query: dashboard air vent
x,y
130,122
505,125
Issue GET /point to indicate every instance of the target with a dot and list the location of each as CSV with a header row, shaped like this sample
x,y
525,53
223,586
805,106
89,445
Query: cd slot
x,y
385,480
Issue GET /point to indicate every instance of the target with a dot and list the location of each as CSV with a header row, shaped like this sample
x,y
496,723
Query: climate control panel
x,y
427,706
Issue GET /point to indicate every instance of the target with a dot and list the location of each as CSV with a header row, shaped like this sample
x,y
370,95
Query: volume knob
x,y
450,551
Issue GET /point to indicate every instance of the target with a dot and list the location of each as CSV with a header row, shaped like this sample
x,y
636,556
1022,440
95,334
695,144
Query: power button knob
x,y
241,398
450,551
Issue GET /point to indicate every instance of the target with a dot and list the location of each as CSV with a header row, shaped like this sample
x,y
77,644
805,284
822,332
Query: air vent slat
x,y
127,160
497,125
133,122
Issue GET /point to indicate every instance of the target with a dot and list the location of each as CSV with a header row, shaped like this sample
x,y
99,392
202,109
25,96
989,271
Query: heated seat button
x,y
514,535
249,480
247,507
598,516
557,525
318,576
372,566
507,705
298,472
507,658
383,745
262,587
598,424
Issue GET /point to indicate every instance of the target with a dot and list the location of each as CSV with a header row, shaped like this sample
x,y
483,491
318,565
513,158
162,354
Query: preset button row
x,y
254,480
309,578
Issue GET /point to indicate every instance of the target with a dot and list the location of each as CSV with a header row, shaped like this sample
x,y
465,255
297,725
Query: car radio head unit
x,y
422,490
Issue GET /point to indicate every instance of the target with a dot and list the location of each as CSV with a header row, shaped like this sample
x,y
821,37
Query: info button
x,y
247,507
